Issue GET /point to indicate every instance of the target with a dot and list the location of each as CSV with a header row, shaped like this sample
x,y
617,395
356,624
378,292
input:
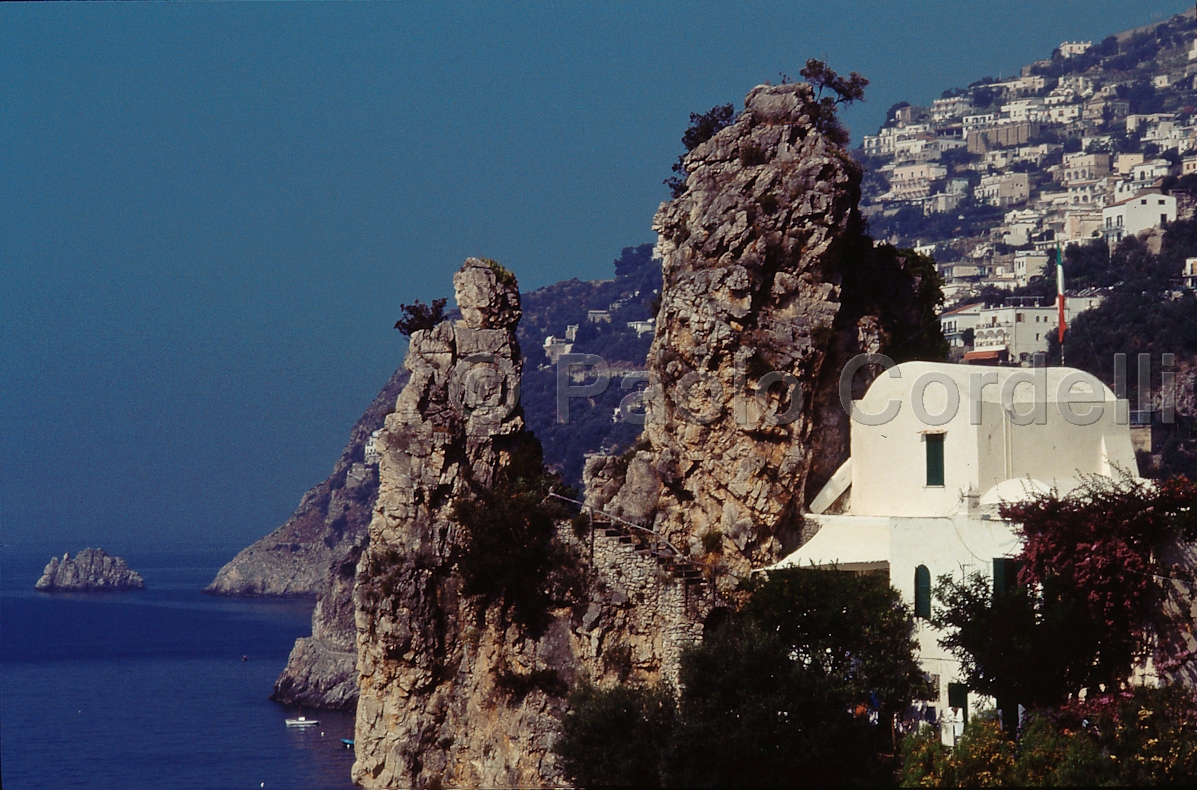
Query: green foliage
x,y
517,685
1143,737
1150,734
840,90
509,551
384,569
712,541
751,155
615,737
768,697
983,758
502,273
753,716
983,97
853,629
1052,756
902,288
419,316
1015,647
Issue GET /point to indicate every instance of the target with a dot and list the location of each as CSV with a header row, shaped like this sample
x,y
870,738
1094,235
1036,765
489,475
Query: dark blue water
x,y
148,689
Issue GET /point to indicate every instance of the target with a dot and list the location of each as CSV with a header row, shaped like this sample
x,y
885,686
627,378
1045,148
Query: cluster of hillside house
x,y
1063,155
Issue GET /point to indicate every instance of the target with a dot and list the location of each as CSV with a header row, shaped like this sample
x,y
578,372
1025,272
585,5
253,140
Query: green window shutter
x,y
922,592
1005,575
934,442
958,698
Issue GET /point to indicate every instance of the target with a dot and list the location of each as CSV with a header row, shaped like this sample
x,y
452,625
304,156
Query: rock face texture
x,y
427,654
330,521
453,690
752,255
321,671
90,570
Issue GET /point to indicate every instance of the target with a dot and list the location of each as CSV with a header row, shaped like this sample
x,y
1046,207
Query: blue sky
x,y
211,212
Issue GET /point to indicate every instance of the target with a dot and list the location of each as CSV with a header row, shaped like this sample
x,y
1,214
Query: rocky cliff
x,y
90,570
321,671
456,690
329,522
749,331
428,655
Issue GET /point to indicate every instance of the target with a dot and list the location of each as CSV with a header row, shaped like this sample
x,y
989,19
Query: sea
x,y
160,688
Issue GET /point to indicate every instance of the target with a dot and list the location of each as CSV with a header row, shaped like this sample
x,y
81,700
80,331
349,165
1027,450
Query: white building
x,y
1004,189
1084,167
1146,173
1012,333
1030,109
1015,332
947,109
1070,49
1189,273
371,448
643,327
958,320
1063,113
1137,214
918,498
913,181
1028,265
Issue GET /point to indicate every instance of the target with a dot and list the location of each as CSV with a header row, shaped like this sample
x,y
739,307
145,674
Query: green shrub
x,y
616,737
517,686
712,541
502,273
510,551
419,316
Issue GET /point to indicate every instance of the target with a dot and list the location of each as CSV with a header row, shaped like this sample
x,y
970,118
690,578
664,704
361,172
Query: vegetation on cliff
x,y
796,688
510,553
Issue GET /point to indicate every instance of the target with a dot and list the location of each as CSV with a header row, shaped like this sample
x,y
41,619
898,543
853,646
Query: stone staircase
x,y
647,543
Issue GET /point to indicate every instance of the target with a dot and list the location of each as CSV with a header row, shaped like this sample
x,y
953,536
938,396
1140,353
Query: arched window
x,y
922,592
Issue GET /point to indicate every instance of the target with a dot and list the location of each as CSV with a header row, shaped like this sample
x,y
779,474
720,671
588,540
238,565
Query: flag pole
x,y
1060,297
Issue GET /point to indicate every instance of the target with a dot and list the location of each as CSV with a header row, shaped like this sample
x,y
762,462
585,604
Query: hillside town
x,y
1096,144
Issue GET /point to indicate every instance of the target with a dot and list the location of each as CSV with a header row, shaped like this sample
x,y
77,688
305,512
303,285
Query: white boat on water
x,y
302,721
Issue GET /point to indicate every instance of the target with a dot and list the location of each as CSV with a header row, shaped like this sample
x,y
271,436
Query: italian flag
x,y
1060,288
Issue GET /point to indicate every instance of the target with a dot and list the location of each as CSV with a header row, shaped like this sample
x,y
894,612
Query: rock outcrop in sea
x,y
89,570
321,671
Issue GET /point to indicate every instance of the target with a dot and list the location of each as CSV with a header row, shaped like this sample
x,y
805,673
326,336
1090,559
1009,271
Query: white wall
x,y
983,445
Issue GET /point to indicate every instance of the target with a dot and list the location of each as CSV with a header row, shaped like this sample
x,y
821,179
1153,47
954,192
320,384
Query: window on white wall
x,y
935,468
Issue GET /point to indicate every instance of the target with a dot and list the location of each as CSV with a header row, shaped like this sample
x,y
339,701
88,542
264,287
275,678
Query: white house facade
x,y
1134,215
919,497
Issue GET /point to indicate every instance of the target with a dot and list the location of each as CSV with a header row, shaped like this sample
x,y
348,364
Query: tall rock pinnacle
x,y
427,653
751,257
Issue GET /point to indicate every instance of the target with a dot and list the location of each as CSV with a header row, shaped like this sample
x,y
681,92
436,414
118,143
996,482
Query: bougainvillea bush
x,y
1101,551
